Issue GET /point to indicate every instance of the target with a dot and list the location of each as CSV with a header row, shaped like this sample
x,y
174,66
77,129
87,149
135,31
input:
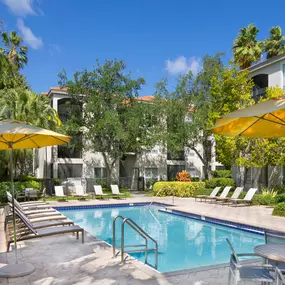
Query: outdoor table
x,y
275,252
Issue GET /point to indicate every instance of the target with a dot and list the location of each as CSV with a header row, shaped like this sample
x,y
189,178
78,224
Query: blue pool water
x,y
183,243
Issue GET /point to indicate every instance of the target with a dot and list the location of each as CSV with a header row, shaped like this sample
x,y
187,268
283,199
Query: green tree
x,y
247,49
275,44
13,48
187,110
110,115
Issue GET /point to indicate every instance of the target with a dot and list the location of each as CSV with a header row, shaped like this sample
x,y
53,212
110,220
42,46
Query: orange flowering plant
x,y
183,176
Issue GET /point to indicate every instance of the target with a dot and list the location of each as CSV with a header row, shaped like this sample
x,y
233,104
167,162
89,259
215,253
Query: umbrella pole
x,y
12,190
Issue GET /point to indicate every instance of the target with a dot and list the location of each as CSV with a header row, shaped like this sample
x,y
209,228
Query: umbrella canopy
x,y
19,135
263,120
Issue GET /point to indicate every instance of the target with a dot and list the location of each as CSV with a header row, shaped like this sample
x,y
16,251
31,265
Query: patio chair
x,y
239,272
31,193
213,194
247,199
45,232
31,211
28,206
224,194
116,192
272,238
59,193
235,195
39,215
44,224
99,192
80,192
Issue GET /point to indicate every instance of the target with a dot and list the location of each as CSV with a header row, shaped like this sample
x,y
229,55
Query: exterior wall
x,y
275,73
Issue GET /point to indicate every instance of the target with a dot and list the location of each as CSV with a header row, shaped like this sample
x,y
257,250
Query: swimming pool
x,y
183,243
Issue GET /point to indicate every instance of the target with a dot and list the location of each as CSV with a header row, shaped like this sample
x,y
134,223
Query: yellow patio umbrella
x,y
262,120
19,135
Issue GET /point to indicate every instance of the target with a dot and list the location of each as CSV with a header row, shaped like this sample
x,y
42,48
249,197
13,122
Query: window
x,y
177,155
69,170
154,151
172,170
151,173
100,172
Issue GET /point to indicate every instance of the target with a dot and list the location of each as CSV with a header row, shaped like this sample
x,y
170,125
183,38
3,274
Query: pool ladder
x,y
144,247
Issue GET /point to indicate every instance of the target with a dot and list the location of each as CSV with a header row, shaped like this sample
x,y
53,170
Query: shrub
x,y
183,176
266,197
220,182
279,210
223,174
18,187
179,189
280,198
260,199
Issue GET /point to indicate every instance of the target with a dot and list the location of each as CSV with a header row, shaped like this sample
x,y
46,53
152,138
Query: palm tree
x,y
15,51
275,44
247,49
29,107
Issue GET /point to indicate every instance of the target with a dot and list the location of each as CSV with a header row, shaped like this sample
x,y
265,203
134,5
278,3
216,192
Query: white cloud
x,y
54,49
182,65
21,7
28,36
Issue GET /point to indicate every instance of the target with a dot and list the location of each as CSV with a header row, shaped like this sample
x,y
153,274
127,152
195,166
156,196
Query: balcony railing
x,y
66,152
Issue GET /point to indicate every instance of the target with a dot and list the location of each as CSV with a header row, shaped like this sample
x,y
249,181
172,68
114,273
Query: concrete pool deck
x,y
64,260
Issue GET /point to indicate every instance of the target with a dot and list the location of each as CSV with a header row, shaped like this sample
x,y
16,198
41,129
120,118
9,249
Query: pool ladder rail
x,y
143,247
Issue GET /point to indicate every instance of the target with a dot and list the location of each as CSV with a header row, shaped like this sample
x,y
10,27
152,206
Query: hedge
x,y
179,189
279,210
220,182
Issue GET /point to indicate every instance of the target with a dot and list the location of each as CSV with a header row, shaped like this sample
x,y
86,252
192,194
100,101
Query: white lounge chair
x,y
99,192
80,192
59,193
247,199
235,195
224,194
213,194
116,192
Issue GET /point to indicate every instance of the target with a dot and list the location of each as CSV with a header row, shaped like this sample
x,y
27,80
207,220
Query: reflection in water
x,y
183,243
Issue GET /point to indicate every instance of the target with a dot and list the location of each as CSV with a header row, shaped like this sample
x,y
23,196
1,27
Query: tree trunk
x,y
109,167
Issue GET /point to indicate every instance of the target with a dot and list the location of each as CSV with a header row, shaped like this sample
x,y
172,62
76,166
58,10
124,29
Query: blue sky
x,y
156,38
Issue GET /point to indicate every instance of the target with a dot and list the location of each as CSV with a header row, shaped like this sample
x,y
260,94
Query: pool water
x,y
183,243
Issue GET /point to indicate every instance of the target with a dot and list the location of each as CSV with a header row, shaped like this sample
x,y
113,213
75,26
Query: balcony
x,y
260,84
68,152
178,155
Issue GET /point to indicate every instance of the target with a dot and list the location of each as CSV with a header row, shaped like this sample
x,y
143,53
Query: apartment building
x,y
133,170
269,73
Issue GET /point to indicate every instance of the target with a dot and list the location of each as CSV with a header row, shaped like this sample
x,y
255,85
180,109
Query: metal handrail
x,y
139,231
